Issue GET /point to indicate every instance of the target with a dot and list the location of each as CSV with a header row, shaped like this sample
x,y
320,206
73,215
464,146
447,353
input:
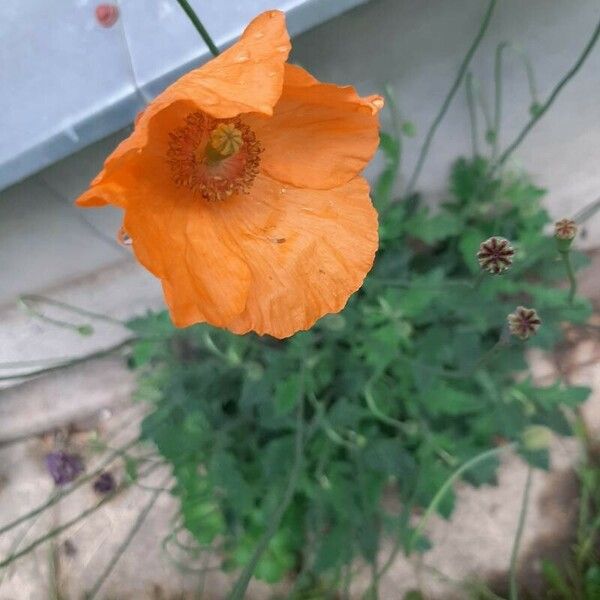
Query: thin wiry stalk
x,y
449,97
72,361
566,258
498,87
472,114
55,498
239,589
125,544
555,92
67,525
514,595
435,502
197,23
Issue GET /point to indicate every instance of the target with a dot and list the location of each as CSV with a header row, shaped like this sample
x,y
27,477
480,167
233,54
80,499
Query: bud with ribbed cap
x,y
495,255
565,231
524,322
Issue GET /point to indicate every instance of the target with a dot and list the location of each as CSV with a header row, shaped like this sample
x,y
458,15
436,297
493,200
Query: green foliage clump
x,y
365,416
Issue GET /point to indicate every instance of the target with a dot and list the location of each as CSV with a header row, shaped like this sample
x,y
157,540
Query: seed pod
x,y
524,322
565,231
495,255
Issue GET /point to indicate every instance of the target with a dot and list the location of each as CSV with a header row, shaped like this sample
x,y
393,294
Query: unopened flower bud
x,y
495,255
536,437
565,231
524,322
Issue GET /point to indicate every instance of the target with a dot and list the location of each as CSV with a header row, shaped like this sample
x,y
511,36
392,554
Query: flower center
x,y
214,158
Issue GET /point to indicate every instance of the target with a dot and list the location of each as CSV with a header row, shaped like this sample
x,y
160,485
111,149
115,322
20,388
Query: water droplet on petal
x,y
241,58
259,35
282,48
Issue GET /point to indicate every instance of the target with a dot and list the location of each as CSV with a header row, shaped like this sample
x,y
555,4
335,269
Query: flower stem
x,y
498,87
55,498
515,550
70,362
59,529
125,544
433,505
377,412
472,114
449,97
566,258
197,23
542,110
239,589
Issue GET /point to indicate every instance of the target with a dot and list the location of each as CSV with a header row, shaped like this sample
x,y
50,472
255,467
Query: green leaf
x,y
287,394
334,548
384,186
388,456
444,399
557,582
469,244
433,229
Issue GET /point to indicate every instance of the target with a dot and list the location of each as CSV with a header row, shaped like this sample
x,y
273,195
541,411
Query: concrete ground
x,y
92,401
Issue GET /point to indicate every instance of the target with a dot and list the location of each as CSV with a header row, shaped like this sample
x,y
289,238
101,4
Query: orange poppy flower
x,y
241,190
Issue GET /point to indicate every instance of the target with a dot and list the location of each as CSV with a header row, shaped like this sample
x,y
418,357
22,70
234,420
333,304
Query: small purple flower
x,y
105,483
64,467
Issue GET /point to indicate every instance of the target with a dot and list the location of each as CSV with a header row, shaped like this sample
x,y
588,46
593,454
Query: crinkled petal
x,y
178,239
320,135
247,77
175,233
307,251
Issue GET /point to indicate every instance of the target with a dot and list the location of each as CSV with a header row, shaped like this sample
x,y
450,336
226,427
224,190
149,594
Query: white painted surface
x,y
416,45
66,81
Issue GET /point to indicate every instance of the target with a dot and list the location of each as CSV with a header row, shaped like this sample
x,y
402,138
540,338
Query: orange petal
x,y
175,236
307,251
320,135
248,77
